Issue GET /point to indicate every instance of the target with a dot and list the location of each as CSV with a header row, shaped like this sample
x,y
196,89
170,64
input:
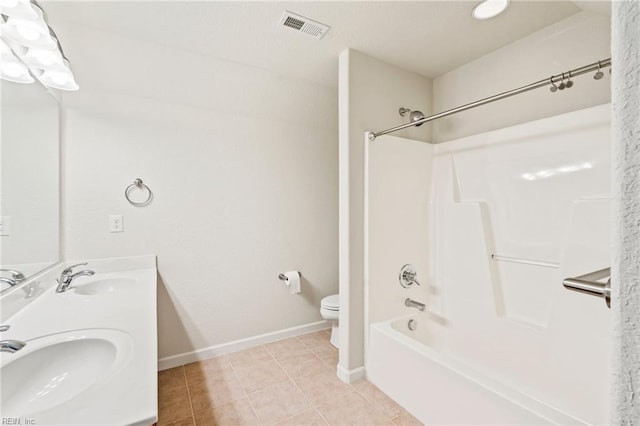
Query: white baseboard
x,y
237,345
350,376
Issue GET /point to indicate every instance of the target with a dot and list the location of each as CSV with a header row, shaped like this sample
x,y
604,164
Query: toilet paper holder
x,y
284,278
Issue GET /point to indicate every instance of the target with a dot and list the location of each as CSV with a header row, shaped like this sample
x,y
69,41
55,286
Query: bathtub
x,y
438,389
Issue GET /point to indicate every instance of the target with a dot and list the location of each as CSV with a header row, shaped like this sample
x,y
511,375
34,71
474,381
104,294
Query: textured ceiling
x,y
429,38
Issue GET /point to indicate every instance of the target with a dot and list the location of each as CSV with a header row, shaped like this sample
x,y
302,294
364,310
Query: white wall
x,y
371,92
397,216
581,39
243,167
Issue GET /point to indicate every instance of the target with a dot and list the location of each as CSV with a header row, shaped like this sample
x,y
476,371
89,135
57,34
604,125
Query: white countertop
x,y
128,396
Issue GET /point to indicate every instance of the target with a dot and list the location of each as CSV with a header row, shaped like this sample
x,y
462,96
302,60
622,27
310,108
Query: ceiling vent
x,y
302,24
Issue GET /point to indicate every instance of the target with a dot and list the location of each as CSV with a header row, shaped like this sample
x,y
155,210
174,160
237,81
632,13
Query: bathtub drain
x,y
412,324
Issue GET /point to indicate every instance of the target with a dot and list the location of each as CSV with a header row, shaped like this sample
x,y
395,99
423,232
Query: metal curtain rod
x,y
544,82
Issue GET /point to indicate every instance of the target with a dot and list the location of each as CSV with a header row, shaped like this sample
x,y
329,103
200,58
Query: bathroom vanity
x,y
91,351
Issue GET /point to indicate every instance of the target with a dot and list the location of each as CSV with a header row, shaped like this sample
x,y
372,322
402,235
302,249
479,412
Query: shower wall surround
x,y
245,186
367,104
539,193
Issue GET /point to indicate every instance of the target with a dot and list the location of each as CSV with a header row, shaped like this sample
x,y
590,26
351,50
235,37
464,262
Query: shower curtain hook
x,y
561,86
553,87
569,82
598,74
403,111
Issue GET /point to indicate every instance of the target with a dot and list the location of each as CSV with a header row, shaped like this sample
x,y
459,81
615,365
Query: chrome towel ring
x,y
138,184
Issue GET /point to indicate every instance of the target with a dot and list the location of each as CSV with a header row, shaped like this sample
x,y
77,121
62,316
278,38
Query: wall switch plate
x,y
115,223
5,226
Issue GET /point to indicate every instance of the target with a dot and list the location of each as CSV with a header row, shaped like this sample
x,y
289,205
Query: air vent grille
x,y
304,25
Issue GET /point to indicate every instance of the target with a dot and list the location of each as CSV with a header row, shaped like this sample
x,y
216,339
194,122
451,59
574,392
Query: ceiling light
x,y
489,9
18,9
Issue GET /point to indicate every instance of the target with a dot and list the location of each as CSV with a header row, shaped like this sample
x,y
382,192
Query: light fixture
x,y
12,68
17,9
489,9
42,58
29,32
59,77
32,47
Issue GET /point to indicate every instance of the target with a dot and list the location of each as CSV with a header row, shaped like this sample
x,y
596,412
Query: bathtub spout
x,y
414,304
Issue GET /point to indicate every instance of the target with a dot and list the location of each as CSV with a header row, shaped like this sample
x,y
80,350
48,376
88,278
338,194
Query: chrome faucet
x,y
9,281
414,304
16,277
67,276
10,346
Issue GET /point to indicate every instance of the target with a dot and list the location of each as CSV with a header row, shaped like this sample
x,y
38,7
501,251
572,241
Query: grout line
x,y
184,373
246,394
311,404
373,404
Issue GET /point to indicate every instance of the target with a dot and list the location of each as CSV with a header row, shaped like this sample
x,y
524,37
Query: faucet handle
x,y
16,275
4,327
69,269
408,276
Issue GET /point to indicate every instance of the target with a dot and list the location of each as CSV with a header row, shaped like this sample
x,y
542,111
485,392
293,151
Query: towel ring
x,y
138,184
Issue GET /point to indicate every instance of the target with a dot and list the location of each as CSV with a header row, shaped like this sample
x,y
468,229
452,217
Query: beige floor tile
x,y
249,357
321,387
261,375
352,409
307,418
236,413
328,355
183,422
173,405
278,402
171,379
406,419
197,371
375,396
286,348
302,364
215,390
315,339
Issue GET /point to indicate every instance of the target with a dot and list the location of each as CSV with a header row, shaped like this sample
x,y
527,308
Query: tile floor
x,y
289,382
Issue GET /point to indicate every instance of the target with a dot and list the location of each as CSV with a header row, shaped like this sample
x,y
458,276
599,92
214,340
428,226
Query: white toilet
x,y
330,310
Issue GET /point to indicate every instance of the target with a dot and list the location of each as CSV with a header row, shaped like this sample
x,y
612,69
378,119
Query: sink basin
x,y
108,285
51,370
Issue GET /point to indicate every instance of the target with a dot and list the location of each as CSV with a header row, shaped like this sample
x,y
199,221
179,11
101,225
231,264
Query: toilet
x,y
330,310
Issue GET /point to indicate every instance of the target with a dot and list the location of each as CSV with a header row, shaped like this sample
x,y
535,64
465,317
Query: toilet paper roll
x,y
292,280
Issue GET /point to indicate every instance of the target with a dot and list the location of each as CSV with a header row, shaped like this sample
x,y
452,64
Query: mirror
x,y
29,173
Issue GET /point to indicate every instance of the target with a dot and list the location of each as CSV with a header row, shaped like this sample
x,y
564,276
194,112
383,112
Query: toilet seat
x,y
331,303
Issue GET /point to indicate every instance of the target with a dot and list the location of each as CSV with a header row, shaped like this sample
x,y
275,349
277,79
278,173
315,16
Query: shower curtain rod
x,y
544,82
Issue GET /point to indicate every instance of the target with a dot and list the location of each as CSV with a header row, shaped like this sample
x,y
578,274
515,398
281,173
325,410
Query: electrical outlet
x,y
115,223
5,226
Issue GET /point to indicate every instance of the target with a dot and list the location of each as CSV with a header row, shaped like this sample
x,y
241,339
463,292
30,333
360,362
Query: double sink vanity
x,y
85,354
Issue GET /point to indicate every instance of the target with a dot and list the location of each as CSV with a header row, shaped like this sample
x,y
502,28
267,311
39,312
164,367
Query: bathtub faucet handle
x,y
408,276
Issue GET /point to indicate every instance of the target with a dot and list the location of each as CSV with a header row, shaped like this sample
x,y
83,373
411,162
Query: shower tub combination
x,y
492,223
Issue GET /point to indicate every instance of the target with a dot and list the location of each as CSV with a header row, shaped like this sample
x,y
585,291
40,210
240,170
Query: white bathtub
x,y
438,389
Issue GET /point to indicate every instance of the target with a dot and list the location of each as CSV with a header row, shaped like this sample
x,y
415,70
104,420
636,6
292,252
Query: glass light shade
x,y
18,9
29,33
12,69
60,78
489,9
43,58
